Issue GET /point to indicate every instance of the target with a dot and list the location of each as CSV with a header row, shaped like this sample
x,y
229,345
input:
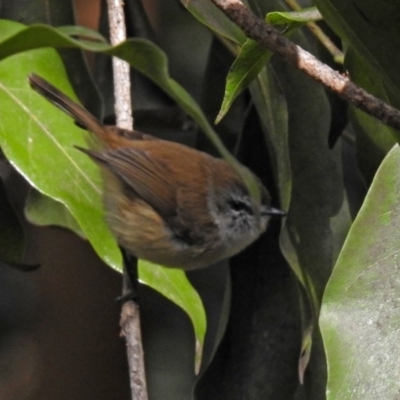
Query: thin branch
x,y
336,53
130,315
122,83
257,29
130,329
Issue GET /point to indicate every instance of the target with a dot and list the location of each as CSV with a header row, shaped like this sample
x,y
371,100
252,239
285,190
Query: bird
x,y
166,202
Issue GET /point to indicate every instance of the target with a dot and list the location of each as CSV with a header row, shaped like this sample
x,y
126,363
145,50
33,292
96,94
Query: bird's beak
x,y
273,211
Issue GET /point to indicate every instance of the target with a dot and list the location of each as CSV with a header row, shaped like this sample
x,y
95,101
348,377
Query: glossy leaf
x,y
82,32
43,211
141,54
174,285
272,108
371,28
294,17
251,59
360,313
209,15
249,62
318,218
39,141
325,219
145,56
374,139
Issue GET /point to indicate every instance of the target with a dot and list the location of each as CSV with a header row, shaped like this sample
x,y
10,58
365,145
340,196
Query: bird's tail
x,y
82,117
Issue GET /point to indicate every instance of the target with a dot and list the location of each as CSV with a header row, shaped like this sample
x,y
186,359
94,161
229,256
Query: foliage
x,y
333,259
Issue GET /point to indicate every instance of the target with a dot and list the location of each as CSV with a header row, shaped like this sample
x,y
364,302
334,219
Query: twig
x,y
122,83
336,53
130,329
257,29
130,315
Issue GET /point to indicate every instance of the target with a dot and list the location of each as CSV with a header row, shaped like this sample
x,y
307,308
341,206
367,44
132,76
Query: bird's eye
x,y
238,205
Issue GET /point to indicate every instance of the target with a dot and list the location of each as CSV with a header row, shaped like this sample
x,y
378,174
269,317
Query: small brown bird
x,y
165,202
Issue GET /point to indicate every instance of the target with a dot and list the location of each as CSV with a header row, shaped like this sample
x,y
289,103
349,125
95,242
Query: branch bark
x,y
257,29
122,83
130,315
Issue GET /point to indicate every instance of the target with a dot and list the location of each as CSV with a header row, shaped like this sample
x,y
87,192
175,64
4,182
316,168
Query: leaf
x,y
318,218
42,210
374,139
304,16
249,62
174,285
38,140
251,59
80,31
360,312
305,354
140,54
143,55
209,15
371,28
272,109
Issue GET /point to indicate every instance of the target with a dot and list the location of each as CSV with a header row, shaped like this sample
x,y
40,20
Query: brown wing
x,y
145,176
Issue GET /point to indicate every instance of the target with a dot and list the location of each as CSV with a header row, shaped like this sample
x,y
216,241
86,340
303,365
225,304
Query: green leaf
x,y
140,54
272,109
360,312
174,285
42,210
371,28
247,65
304,16
374,139
319,217
38,140
209,15
80,31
